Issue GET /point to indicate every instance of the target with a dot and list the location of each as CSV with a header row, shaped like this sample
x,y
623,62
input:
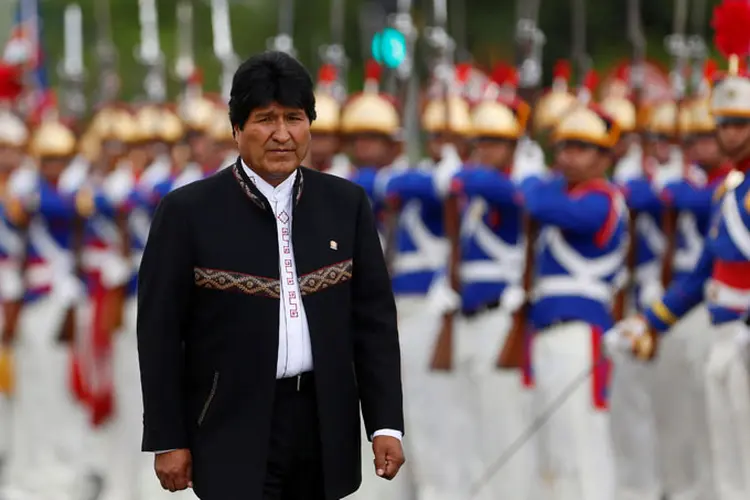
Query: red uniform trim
x,y
601,371
607,231
733,274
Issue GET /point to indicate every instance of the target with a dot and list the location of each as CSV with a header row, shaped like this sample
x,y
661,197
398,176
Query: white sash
x,y
431,252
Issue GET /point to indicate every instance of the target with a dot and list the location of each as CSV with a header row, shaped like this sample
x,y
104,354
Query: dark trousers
x,y
294,470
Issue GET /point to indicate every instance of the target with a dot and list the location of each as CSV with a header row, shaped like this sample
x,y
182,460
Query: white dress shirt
x,y
295,351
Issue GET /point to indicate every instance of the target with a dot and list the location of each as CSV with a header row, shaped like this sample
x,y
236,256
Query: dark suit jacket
x,y
208,327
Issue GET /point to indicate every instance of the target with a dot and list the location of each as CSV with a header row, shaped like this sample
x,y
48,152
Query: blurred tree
x,y
489,32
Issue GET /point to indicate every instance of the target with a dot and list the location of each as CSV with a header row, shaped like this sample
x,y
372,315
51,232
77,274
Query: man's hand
x,y
174,469
389,456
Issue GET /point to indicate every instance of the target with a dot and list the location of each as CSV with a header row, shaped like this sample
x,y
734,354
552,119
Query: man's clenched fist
x,y
389,456
174,469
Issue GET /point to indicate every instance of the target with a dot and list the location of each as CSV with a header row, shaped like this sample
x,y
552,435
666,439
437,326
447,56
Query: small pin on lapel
x,y
333,245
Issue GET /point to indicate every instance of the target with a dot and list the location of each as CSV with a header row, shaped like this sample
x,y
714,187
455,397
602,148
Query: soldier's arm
x,y
685,196
593,212
496,189
681,296
640,196
413,185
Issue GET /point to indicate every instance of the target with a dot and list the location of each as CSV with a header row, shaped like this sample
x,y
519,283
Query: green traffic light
x,y
389,47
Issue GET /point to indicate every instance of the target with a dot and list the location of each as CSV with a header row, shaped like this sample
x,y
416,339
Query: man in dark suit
x,y
265,316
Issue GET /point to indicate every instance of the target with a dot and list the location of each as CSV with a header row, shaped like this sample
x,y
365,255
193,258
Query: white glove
x,y
630,166
528,161
68,289
74,175
670,172
11,282
118,185
449,164
630,335
650,292
512,299
116,270
616,343
441,298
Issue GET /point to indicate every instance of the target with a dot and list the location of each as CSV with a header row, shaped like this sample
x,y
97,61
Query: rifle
x,y
335,53
443,69
109,79
637,83
71,70
679,49
284,40
529,43
149,53
184,67
223,46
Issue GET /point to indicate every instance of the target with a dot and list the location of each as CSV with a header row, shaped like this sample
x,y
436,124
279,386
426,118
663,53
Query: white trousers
x,y
503,408
48,424
728,403
576,459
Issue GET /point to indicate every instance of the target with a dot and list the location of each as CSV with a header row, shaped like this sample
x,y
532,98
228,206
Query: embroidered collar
x,y
255,195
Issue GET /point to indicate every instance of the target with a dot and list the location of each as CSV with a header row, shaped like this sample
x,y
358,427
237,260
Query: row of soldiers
x,y
486,239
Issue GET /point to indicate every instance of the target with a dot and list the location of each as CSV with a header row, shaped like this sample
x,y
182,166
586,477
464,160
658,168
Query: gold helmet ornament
x,y
701,119
588,125
327,108
13,131
148,119
500,119
663,120
622,110
730,97
221,128
52,139
370,111
171,129
557,101
198,113
457,116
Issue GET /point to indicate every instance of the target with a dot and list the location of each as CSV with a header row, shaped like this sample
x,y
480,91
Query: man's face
x,y
494,152
734,139
274,141
580,162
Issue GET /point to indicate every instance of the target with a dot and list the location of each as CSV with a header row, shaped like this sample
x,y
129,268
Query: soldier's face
x,y
323,147
274,141
579,162
660,149
734,139
705,150
372,150
52,168
494,152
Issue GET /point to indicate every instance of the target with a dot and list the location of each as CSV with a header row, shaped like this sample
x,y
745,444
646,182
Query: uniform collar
x,y
743,165
259,191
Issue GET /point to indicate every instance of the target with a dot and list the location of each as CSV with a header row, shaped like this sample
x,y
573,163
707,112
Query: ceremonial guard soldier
x,y
555,102
13,138
583,222
325,148
371,129
435,402
492,263
46,433
720,277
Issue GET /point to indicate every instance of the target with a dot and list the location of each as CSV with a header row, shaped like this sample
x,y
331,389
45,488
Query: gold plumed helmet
x,y
328,114
663,119
588,125
148,119
13,132
369,111
172,128
52,139
701,119
502,120
458,115
221,128
198,114
101,123
554,104
622,110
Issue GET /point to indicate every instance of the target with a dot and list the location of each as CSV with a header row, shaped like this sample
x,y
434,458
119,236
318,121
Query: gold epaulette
x,y
734,179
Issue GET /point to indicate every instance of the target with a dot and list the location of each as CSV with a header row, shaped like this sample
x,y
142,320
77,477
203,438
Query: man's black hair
x,y
270,77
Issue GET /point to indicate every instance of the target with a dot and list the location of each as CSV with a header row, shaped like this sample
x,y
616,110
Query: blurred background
x,y
483,30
